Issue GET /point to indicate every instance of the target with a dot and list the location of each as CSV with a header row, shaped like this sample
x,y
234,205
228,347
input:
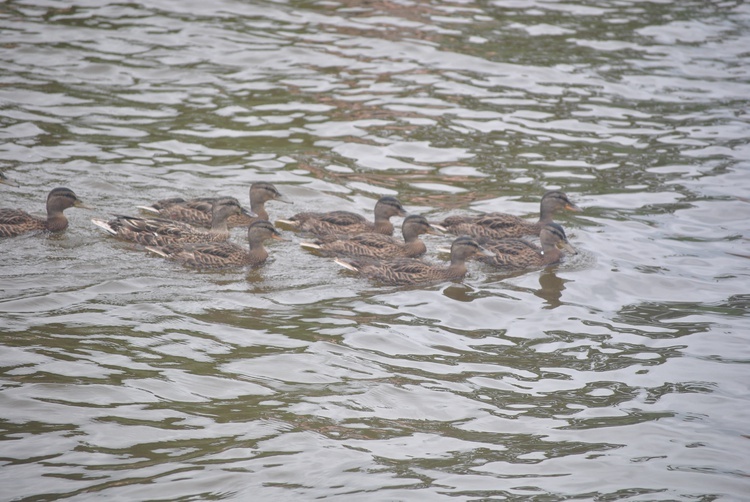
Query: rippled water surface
x,y
621,374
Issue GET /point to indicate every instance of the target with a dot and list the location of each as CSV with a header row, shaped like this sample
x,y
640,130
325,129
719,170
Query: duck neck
x,y
457,268
56,221
219,224
383,225
458,261
545,214
257,251
415,247
259,208
551,255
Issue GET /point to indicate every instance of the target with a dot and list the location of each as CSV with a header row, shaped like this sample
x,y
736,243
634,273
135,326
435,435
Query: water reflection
x,y
551,288
459,292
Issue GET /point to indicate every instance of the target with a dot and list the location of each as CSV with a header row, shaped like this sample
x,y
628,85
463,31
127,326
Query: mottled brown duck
x,y
517,254
16,222
198,211
378,245
347,223
162,232
403,271
223,254
503,225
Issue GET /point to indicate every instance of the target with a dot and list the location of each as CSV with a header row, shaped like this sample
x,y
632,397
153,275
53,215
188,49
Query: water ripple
x,y
618,374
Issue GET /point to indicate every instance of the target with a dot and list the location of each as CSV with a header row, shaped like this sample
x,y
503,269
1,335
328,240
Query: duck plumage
x,y
223,254
162,232
403,271
516,254
503,225
197,211
15,222
348,223
378,245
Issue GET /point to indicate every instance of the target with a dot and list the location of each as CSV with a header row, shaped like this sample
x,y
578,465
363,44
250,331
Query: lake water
x,y
621,374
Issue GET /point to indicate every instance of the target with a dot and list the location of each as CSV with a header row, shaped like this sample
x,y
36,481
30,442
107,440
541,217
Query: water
x,y
619,375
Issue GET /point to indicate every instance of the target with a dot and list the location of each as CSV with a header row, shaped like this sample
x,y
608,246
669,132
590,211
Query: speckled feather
x,y
345,222
198,211
520,254
413,271
503,225
163,232
223,254
15,222
379,245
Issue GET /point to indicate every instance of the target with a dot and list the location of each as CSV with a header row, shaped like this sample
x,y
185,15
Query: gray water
x,y
621,374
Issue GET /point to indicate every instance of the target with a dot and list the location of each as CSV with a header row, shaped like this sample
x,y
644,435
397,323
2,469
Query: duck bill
x,y
565,246
572,207
283,199
248,213
278,237
435,230
79,203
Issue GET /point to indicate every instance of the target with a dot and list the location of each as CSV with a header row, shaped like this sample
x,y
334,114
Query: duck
x,y
404,271
517,254
15,222
503,225
215,255
6,181
378,245
347,223
161,231
198,211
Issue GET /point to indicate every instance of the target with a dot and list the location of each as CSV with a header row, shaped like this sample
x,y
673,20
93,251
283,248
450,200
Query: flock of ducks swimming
x,y
196,232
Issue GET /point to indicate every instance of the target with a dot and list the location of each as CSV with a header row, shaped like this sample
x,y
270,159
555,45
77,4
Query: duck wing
x,y
511,253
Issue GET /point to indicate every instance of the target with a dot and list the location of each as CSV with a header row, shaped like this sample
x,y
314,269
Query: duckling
x,y
161,232
520,254
413,271
198,211
503,225
7,181
15,222
344,222
223,254
378,245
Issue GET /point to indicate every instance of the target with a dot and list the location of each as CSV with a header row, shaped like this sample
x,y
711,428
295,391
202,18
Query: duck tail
x,y
309,245
105,225
289,223
158,251
346,264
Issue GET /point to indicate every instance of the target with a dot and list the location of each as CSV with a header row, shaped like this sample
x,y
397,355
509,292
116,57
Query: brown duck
x,y
198,211
378,245
404,271
345,222
516,254
503,225
16,222
162,232
223,254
